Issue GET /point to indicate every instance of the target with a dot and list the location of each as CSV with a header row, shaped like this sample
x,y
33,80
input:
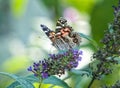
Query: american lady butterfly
x,y
63,37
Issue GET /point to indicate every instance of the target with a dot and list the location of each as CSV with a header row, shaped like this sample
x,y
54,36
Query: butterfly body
x,y
63,37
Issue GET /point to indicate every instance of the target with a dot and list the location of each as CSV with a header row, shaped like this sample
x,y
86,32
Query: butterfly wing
x,y
76,39
63,38
48,32
56,42
70,38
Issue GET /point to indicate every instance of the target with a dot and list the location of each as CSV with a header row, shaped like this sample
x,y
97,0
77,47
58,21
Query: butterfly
x,y
63,38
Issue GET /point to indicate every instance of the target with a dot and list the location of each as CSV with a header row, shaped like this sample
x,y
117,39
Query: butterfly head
x,y
62,20
61,23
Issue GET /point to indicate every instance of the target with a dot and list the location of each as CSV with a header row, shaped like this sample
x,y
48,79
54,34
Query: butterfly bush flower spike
x,y
56,64
108,55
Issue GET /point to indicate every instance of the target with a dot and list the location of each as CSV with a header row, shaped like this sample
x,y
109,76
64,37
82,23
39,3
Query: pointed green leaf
x,y
32,79
55,81
24,83
19,86
81,72
14,84
93,42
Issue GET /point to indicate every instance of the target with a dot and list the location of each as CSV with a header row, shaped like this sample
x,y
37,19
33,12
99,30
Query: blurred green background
x,y
22,41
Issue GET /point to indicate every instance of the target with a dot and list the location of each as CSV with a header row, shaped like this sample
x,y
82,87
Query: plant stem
x,y
40,82
91,82
98,70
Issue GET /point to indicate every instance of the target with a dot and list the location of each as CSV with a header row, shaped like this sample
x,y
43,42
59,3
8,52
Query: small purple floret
x,y
44,66
79,58
80,52
44,75
30,68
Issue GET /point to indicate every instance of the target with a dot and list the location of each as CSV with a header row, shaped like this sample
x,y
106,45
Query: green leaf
x,y
32,79
89,39
24,83
81,72
55,81
14,84
19,86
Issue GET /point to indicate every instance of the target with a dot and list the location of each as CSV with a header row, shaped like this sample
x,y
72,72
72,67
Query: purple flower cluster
x,y
56,64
